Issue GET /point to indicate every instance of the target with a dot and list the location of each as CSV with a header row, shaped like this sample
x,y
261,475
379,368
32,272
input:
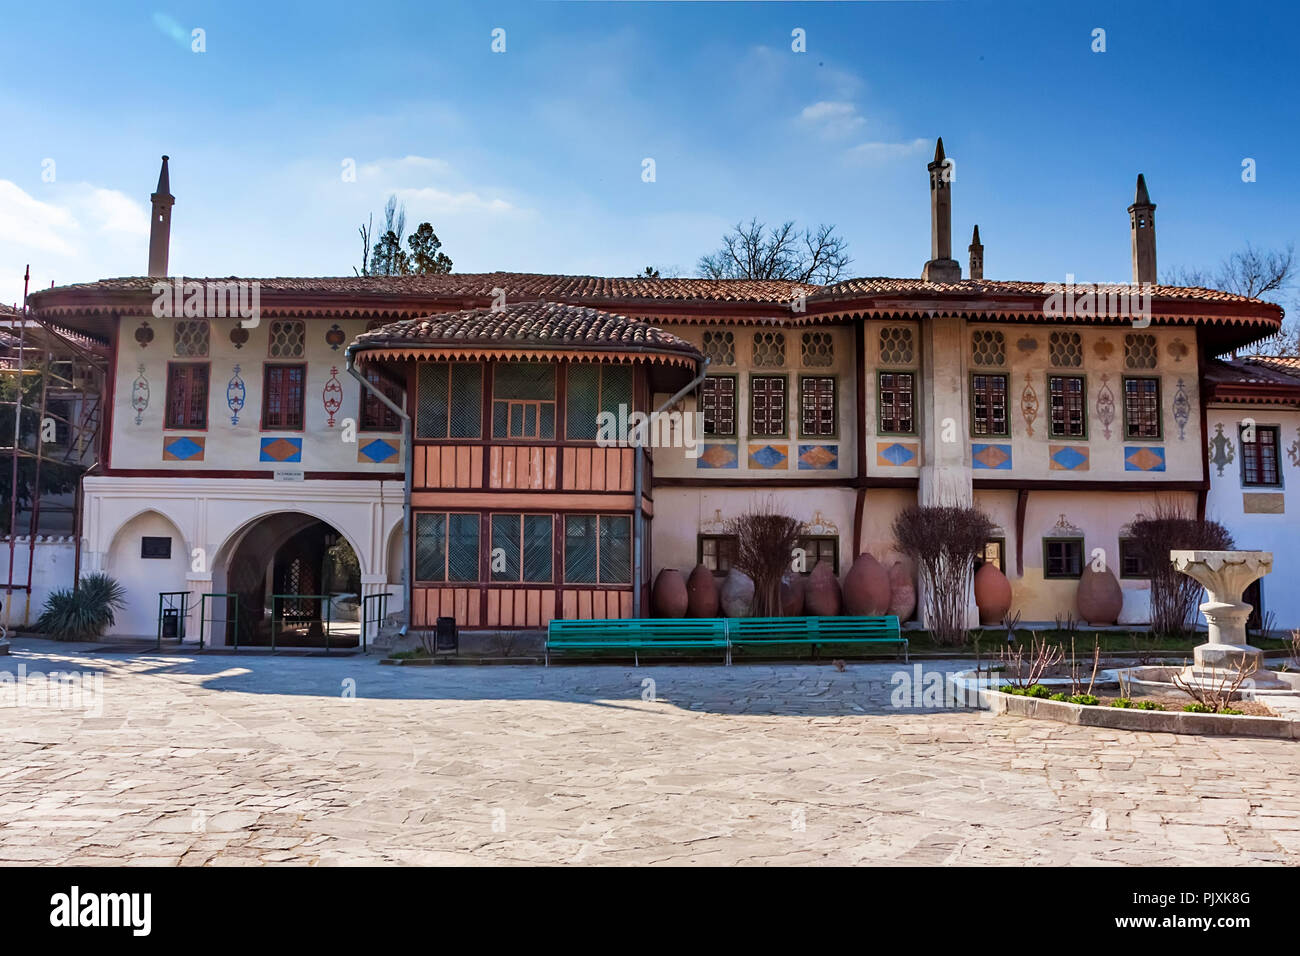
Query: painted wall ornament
x,y
1029,404
1221,450
1027,344
820,524
1103,348
332,395
238,335
335,337
1178,349
1182,409
1294,451
144,334
140,393
1105,405
1066,529
235,394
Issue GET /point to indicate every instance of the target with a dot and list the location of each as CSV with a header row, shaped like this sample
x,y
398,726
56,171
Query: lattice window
x,y
719,348
288,338
988,347
1066,401
718,403
187,395
446,547
375,415
450,403
896,403
523,400
597,549
1066,349
767,406
592,389
1260,460
523,543
769,349
989,404
818,349
816,406
1140,351
1141,408
896,346
282,396
191,338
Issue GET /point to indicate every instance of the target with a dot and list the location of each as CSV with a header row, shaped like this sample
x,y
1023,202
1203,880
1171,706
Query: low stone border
x,y
1151,721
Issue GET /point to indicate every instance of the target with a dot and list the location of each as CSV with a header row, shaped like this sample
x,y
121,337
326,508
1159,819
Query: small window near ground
x,y
819,548
1062,557
1131,562
994,553
717,552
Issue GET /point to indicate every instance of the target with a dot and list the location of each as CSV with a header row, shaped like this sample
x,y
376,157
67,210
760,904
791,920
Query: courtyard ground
x,y
235,760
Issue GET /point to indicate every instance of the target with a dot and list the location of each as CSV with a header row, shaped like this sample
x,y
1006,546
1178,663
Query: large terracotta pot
x,y
701,593
736,596
822,592
1099,598
793,589
902,592
992,593
866,587
670,597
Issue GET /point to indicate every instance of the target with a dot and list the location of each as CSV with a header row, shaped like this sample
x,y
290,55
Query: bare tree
x,y
365,229
753,251
1258,273
765,540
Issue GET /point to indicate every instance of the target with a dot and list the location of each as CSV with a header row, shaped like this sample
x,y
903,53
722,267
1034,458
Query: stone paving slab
x,y
246,760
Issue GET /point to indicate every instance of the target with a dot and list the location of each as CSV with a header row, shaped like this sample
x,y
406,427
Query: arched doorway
x,y
300,569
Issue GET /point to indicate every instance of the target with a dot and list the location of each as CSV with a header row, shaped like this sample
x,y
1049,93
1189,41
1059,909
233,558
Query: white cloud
x,y
888,152
440,202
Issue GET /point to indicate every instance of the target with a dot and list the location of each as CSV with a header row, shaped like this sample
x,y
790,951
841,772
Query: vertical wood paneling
x,y
597,469
627,474
584,605
625,604
548,479
570,458
548,607
535,468
476,466
569,605
447,474
493,608
534,608
521,608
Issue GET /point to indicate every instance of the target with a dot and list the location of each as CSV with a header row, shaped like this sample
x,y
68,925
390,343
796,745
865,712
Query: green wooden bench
x,y
769,631
638,634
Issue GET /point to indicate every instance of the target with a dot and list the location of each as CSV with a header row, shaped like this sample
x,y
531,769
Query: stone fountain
x,y
1225,575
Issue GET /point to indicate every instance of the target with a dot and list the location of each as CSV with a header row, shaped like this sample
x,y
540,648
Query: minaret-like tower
x,y
1142,224
160,226
976,255
941,267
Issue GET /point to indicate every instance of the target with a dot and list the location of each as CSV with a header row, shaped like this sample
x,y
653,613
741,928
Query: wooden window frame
x,y
1047,575
521,515
564,550
720,539
524,404
1125,543
370,404
1083,406
1001,542
1276,432
1006,405
785,411
834,433
601,369
446,579
1160,412
267,369
735,392
880,401
805,539
169,422
155,557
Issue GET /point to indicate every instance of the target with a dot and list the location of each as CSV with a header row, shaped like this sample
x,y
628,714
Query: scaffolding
x,y
51,394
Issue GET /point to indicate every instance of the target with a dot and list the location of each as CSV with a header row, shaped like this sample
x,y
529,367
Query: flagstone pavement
x,y
238,760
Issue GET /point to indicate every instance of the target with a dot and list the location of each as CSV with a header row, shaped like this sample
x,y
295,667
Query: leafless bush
x,y
1295,647
1218,691
765,542
942,541
1022,672
1076,682
1174,595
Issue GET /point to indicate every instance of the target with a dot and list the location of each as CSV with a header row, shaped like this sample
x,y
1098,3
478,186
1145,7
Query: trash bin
x,y
171,622
448,637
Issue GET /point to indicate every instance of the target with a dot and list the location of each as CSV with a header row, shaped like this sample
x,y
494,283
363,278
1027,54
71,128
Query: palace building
x,y
236,450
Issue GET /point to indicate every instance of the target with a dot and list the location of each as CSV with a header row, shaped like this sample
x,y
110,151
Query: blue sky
x,y
531,159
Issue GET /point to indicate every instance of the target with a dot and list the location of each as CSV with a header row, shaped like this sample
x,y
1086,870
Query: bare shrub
x,y
1174,596
1076,676
1217,692
765,542
1024,672
943,540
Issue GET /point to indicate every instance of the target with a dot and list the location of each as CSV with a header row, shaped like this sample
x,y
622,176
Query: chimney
x,y
976,255
941,267
1142,224
160,226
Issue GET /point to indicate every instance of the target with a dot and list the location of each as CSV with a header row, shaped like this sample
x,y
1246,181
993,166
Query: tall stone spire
x,y
1142,225
976,255
941,267
160,225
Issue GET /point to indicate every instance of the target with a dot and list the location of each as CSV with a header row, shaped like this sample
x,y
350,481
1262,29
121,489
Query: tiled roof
x,y
1256,379
967,288
529,325
1281,363
516,285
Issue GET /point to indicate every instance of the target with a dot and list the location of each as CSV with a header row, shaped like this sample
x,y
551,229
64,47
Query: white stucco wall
x,y
53,564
